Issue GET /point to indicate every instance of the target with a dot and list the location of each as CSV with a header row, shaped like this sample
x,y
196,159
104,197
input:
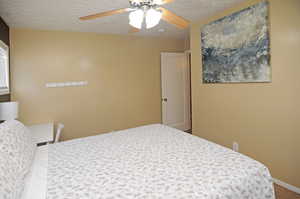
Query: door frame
x,y
188,55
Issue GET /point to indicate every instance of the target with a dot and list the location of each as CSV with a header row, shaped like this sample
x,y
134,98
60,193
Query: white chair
x,y
60,127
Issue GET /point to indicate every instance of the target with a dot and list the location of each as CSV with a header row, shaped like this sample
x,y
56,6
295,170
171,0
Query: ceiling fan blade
x,y
104,14
165,2
174,19
134,30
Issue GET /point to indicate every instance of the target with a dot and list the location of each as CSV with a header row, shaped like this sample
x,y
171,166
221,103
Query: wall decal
x,y
236,48
66,84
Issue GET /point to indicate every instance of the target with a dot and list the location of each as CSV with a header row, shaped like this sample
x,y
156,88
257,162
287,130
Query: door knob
x,y
164,99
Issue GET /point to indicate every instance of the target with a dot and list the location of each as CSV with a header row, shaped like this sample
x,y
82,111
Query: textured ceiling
x,y
63,15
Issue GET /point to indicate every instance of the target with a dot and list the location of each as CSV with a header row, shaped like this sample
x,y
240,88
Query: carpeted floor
x,y
282,193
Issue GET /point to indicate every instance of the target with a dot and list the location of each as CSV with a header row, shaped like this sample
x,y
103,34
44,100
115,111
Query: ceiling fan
x,y
145,10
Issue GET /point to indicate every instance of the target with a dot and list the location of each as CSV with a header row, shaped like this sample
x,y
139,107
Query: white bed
x,y
36,180
152,161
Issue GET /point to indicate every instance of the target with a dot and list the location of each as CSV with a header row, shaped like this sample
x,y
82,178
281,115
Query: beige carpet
x,y
282,193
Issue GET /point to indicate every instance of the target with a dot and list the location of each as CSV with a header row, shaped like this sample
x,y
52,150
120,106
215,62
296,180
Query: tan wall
x,y
264,118
123,74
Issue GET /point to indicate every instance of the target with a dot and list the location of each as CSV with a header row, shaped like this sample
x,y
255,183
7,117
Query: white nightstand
x,y
42,133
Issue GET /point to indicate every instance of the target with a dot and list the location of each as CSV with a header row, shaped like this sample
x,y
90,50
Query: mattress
x,y
153,161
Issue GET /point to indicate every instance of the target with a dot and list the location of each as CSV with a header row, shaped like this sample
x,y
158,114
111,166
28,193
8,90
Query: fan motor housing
x,y
141,3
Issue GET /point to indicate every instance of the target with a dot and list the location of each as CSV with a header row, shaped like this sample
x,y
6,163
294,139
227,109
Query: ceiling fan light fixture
x,y
149,10
136,18
152,18
158,2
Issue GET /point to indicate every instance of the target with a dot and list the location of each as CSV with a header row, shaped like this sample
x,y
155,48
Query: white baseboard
x,y
287,186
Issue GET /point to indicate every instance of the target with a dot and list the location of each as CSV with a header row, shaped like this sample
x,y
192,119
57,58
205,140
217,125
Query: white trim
x,y
4,91
287,186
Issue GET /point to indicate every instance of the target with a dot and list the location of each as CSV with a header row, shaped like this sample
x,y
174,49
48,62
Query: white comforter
x,y
153,161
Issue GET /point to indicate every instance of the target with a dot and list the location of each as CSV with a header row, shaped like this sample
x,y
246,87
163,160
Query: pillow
x,y
7,179
11,185
16,155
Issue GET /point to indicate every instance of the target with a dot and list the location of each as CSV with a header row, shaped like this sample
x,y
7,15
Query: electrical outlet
x,y
235,146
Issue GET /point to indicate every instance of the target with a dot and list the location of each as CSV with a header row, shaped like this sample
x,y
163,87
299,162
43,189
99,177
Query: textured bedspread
x,y
153,161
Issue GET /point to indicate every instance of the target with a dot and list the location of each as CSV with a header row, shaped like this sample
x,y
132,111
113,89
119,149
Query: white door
x,y
175,78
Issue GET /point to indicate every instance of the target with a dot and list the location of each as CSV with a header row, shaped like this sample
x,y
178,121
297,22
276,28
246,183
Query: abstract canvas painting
x,y
236,48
